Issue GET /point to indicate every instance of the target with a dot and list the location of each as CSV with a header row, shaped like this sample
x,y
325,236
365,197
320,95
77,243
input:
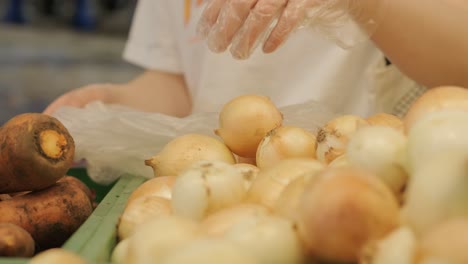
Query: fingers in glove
x,y
256,25
288,22
231,17
209,16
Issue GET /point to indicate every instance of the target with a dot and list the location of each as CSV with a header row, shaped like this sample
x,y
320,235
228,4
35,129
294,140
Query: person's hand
x,y
243,22
82,96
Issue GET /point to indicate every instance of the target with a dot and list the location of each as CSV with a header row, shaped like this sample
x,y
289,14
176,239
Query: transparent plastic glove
x,y
244,24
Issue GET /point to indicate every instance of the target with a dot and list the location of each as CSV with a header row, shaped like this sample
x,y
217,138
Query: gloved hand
x,y
244,24
82,96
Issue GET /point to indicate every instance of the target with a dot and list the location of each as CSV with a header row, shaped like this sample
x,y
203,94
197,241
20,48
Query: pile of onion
x,y
376,190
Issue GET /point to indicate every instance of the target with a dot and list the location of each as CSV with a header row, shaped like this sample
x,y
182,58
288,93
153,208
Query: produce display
x,y
370,190
40,205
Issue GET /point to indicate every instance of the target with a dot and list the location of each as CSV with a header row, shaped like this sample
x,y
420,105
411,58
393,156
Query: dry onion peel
x,y
332,138
285,142
205,187
270,182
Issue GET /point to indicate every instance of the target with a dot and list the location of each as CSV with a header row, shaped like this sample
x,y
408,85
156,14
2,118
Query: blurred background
x,y
48,47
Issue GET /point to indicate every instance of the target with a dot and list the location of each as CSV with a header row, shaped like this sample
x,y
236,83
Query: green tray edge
x,y
98,247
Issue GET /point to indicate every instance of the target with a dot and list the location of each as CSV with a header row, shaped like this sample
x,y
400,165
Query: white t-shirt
x,y
163,37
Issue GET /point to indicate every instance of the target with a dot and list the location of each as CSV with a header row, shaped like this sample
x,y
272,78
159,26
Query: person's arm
x,y
156,91
426,39
152,91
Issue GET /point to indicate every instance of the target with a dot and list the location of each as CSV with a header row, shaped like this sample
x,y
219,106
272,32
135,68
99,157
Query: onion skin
x,y
179,153
400,246
159,187
436,99
216,224
389,120
340,161
141,210
270,182
154,240
446,242
437,192
249,173
285,142
288,202
437,132
206,187
209,250
382,151
57,255
119,252
245,120
333,137
343,210
271,239
243,160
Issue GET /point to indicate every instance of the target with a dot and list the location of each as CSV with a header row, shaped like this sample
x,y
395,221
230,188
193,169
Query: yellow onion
x,y
436,99
119,253
288,202
243,160
437,192
400,246
437,132
333,137
210,250
388,120
285,142
381,150
140,211
217,223
446,243
160,186
206,187
154,240
271,239
182,151
341,161
249,173
270,182
245,120
56,256
344,210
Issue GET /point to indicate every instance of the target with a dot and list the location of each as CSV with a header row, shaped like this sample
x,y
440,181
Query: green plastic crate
x,y
97,236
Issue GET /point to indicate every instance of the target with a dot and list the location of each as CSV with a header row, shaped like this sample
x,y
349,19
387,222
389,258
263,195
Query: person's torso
x,y
306,67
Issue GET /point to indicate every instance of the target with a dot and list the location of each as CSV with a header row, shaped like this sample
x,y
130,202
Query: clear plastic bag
x,y
115,140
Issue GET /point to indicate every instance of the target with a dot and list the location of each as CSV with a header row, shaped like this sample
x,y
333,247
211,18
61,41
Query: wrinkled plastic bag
x,y
115,140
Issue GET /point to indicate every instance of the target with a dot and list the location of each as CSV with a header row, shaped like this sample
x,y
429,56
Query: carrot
x,y
79,184
50,215
35,151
